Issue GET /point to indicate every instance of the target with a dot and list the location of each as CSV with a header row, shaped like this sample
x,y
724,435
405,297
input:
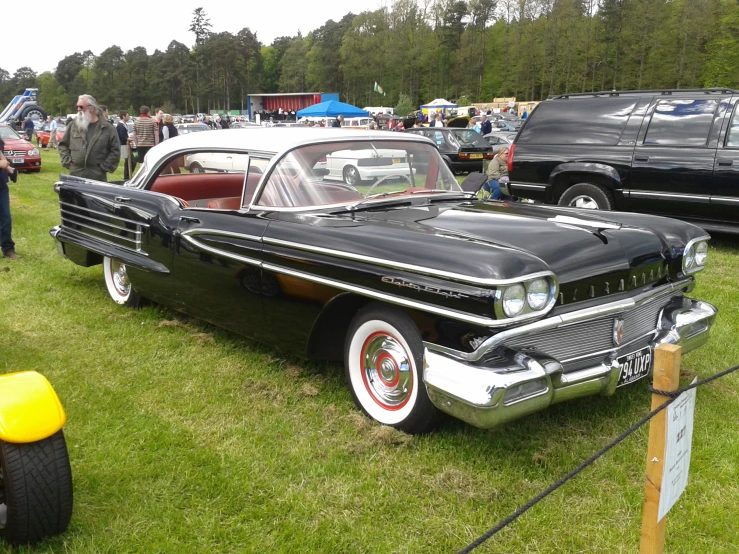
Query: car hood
x,y
17,144
507,240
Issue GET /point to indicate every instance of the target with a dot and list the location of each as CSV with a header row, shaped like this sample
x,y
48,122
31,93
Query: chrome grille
x,y
589,337
104,226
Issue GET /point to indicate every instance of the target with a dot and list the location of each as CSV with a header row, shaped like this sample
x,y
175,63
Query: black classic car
x,y
462,149
666,152
434,300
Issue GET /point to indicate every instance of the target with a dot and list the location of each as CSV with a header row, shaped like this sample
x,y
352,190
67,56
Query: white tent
x,y
438,105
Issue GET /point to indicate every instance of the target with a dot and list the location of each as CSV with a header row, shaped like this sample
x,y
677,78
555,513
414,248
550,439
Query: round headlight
x,y
537,295
513,300
689,257
701,253
33,152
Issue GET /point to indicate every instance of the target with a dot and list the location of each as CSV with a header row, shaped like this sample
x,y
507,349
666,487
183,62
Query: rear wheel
x,y
118,284
196,168
383,359
587,196
35,489
351,176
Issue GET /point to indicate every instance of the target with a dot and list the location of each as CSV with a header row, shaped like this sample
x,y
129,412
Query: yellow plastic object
x,y
30,410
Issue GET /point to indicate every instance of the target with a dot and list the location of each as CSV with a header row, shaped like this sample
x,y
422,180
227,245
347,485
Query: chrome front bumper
x,y
517,383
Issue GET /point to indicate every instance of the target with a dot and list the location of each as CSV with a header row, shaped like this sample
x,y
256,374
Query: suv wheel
x,y
588,196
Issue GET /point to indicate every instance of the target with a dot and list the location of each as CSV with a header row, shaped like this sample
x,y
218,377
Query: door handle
x,y
122,199
189,219
725,161
641,158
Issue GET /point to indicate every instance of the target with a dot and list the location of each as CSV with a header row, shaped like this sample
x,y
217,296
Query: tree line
x,y
417,50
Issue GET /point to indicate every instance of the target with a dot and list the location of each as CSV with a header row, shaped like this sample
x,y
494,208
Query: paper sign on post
x,y
677,450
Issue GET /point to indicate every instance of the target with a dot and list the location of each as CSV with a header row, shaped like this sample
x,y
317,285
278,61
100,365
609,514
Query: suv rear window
x,y
578,121
681,122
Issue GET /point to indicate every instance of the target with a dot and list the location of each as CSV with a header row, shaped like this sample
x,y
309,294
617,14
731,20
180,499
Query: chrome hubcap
x,y
583,201
386,371
120,278
351,176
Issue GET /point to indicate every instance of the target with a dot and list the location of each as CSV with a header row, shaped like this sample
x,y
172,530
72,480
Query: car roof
x,y
270,139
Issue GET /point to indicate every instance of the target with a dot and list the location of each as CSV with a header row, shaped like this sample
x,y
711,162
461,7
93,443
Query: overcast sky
x,y
44,40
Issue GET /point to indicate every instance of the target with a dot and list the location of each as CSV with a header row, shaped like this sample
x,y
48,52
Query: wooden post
x,y
666,378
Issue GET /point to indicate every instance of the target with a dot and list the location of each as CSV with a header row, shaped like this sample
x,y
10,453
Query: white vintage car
x,y
355,167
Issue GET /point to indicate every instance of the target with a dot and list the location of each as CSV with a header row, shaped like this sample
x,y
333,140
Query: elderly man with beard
x,y
90,147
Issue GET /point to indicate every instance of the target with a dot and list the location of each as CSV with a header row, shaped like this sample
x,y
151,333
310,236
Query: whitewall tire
x,y
118,283
383,360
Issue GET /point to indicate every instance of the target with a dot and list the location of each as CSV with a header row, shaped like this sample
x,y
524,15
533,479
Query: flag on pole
x,y
378,88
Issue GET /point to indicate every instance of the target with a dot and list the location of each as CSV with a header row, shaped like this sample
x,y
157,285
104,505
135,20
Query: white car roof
x,y
271,140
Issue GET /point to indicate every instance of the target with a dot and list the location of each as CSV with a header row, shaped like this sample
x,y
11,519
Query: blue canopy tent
x,y
332,108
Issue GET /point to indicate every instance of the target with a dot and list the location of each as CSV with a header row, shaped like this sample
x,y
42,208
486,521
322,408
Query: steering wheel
x,y
385,178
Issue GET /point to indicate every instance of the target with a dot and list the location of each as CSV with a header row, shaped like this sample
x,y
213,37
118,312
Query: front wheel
x,y
383,360
118,283
587,196
351,176
36,489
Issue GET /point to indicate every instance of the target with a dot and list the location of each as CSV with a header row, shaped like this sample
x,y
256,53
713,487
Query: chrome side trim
x,y
125,229
98,239
671,195
453,314
560,320
408,267
105,214
220,252
724,200
527,186
136,241
204,231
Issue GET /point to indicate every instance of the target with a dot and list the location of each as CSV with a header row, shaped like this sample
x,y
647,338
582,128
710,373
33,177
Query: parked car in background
x,y
43,136
434,300
498,139
669,152
358,166
186,128
508,126
21,153
463,149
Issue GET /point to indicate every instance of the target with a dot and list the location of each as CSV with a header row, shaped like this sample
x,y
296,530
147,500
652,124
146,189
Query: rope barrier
x,y
672,396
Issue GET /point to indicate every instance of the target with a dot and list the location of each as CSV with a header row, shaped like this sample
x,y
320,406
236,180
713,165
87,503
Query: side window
x,y
732,139
206,179
684,122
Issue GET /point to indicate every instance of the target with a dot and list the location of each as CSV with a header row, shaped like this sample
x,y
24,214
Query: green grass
x,y
186,438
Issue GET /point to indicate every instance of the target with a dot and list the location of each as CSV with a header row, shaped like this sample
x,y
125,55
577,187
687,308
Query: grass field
x,y
186,438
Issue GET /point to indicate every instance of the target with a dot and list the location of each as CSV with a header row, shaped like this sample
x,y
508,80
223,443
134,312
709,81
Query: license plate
x,y
475,156
16,160
396,160
634,366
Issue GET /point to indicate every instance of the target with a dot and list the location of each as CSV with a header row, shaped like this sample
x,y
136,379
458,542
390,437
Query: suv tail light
x,y
510,157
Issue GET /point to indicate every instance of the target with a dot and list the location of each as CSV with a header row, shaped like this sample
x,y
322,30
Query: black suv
x,y
462,149
670,152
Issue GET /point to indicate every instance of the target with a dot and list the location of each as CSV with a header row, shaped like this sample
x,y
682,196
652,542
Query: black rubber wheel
x,y
35,112
118,284
587,196
196,168
383,362
351,176
36,489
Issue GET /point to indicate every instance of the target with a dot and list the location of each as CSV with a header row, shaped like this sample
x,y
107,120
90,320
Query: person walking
x,y
159,118
337,122
53,141
7,173
122,130
170,131
439,122
90,146
145,133
28,128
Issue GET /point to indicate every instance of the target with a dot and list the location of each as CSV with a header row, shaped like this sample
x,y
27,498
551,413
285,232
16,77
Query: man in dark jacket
x,y
485,126
90,147
337,121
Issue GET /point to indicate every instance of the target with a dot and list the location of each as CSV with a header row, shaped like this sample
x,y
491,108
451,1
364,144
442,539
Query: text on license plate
x,y
475,155
16,160
634,366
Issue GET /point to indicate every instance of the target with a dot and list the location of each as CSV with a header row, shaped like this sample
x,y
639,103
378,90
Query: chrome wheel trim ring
x,y
121,283
386,371
584,201
351,176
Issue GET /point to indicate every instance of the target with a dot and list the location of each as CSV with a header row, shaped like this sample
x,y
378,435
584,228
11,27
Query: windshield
x,y
468,137
354,171
8,133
